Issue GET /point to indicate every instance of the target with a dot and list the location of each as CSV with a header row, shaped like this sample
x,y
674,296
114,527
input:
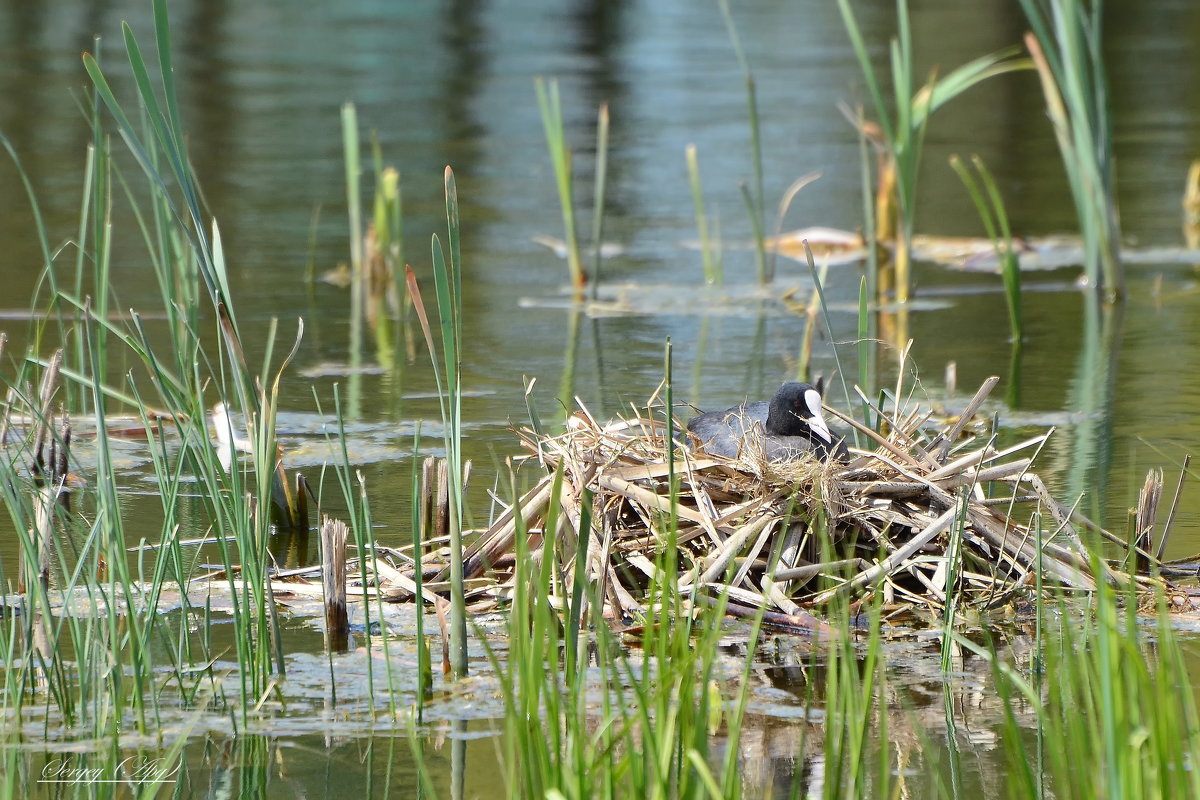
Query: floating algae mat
x,y
928,515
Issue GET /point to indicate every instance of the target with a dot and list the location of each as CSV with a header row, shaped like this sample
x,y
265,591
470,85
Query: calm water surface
x,y
452,83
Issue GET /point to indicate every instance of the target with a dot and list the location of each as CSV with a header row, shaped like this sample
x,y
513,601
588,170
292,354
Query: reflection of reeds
x,y
376,256
819,299
353,168
1092,393
855,691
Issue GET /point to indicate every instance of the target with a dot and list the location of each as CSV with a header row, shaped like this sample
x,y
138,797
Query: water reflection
x,y
1093,394
935,727
466,38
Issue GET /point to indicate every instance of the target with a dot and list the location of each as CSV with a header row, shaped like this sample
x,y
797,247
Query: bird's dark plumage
x,y
786,428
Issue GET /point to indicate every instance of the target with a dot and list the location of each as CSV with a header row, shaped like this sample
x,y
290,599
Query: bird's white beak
x,y
817,421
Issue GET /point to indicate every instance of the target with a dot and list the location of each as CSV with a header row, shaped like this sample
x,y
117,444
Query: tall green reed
x,y
34,636
598,194
447,277
1113,712
1067,49
819,291
352,484
588,714
376,252
624,721
27,622
710,241
187,253
121,644
902,124
421,525
388,213
358,300
561,160
991,210
866,352
855,713
103,650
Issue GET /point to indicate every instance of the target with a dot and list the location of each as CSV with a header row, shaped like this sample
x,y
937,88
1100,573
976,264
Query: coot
x,y
786,428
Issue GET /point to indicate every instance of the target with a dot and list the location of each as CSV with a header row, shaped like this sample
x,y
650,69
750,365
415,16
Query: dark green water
x,y
452,83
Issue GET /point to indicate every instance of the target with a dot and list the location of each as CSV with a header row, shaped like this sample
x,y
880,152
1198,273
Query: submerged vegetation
x,y
648,589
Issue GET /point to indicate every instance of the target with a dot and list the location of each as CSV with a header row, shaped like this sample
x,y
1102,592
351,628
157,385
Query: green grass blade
x,y
560,158
601,186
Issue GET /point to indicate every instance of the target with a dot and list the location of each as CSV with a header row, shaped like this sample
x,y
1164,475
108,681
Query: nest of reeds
x,y
928,515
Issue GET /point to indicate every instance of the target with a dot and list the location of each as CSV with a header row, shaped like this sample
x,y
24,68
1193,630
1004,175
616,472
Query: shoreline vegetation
x,y
624,571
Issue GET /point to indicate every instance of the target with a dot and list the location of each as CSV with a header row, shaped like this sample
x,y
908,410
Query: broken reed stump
x,y
425,520
333,582
1144,517
928,515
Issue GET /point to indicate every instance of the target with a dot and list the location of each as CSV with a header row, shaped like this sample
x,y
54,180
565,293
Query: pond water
x,y
261,86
